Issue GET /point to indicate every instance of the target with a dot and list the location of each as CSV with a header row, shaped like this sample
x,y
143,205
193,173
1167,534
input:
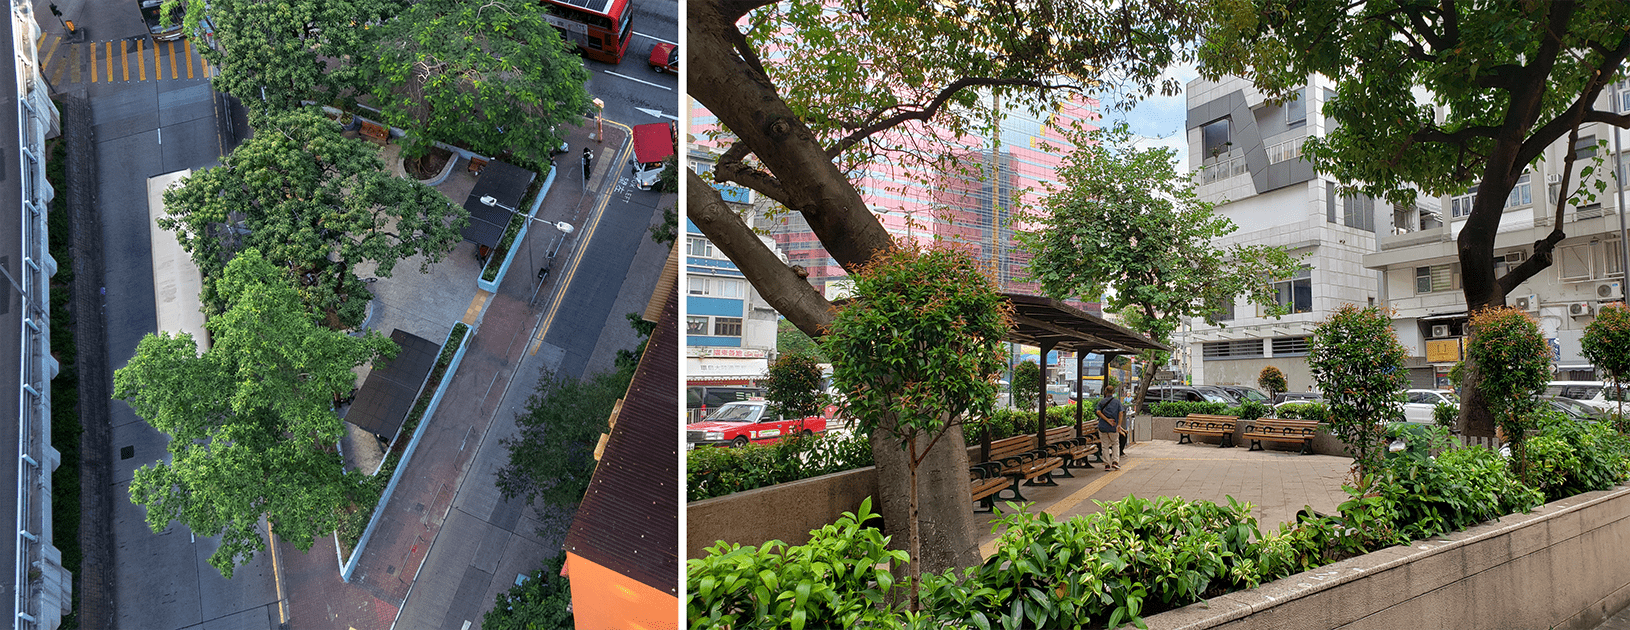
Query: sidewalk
x,y
1276,483
428,305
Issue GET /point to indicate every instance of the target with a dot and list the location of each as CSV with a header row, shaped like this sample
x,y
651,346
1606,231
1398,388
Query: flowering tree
x,y
1607,345
1359,365
1272,380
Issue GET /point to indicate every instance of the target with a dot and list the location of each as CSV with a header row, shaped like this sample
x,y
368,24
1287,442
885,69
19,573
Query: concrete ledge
x,y
785,512
509,257
1563,566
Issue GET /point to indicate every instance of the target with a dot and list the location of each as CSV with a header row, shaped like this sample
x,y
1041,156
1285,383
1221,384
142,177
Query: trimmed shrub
x,y
1513,366
1181,409
1315,411
1271,380
713,472
1359,365
1567,457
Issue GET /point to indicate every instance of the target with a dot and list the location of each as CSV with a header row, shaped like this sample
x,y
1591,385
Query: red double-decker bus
x,y
599,28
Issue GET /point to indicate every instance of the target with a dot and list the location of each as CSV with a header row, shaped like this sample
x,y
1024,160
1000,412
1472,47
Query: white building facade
x,y
730,331
1247,152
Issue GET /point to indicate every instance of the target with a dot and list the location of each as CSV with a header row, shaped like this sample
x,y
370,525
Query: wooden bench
x,y
985,484
1017,460
375,132
1207,425
1063,442
476,164
1282,430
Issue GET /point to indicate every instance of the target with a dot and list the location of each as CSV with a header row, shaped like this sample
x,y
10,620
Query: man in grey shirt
x,y
1111,417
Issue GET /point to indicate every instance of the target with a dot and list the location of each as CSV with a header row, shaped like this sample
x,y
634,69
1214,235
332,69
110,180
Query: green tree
x,y
1359,365
894,69
1438,98
793,387
542,602
666,232
315,204
1271,380
1511,365
916,351
492,76
255,406
1125,220
1607,344
630,359
552,458
790,340
1025,385
272,54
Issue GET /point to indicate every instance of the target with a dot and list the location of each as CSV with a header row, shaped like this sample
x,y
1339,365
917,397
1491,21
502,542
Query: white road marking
x,y
624,76
655,38
656,113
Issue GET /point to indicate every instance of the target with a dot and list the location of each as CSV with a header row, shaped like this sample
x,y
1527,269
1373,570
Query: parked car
x,y
1419,403
1594,393
1285,397
653,145
700,400
1243,394
665,58
1231,397
738,423
1575,410
1184,393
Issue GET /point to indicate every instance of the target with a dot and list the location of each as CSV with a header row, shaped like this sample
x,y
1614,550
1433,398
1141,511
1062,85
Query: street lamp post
x,y
543,272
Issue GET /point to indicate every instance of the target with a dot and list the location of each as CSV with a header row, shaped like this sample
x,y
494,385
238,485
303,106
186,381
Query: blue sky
x,y
1159,120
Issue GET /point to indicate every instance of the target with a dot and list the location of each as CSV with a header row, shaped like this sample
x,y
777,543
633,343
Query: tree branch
x,y
933,107
1544,247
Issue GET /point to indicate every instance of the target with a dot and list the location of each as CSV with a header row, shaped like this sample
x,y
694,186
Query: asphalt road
x,y
631,86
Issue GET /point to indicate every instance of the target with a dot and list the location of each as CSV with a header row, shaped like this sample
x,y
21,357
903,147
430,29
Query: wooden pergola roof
x,y
1040,321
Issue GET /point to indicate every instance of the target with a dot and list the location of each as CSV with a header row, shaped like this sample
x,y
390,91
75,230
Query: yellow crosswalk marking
x,y
173,75
46,60
110,62
93,62
141,62
73,63
188,46
203,63
56,74
39,44
158,64
124,58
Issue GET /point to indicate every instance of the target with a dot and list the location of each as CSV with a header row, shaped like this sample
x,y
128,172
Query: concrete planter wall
x,y
785,512
347,565
1566,565
509,257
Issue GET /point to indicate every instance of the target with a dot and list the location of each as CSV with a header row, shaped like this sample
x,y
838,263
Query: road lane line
x,y
141,61
624,76
73,64
110,61
45,62
173,74
188,46
588,233
203,63
656,38
56,75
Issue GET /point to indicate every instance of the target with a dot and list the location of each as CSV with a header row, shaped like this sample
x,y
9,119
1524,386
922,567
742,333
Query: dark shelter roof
x,y
505,182
629,519
385,398
1038,320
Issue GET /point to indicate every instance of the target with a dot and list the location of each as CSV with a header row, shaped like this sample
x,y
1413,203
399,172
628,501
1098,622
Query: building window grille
x,y
716,287
700,247
1521,194
695,325
1460,206
1236,349
1290,346
1436,278
727,326
1286,151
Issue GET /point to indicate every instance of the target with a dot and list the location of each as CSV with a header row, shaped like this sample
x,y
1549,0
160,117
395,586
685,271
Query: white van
x,y
1594,393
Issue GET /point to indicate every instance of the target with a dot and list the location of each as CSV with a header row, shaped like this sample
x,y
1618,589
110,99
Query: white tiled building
x,y
1248,154
1422,267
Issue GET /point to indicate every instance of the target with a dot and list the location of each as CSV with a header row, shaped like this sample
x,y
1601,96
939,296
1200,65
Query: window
x,y
1575,262
1584,148
1286,151
1238,349
1290,346
1223,311
1622,170
695,325
727,326
1360,212
1461,205
1296,294
697,246
1214,138
1615,260
1520,193
716,287
1296,108
1436,278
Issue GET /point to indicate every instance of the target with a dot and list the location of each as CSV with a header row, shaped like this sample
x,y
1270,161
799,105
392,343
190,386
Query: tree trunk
x,y
945,519
915,568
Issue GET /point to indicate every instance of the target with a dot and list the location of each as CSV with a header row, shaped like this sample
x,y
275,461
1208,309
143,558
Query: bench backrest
x,y
1201,417
1286,423
1015,445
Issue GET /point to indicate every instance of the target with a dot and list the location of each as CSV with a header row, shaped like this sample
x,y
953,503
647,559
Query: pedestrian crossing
x,y
67,62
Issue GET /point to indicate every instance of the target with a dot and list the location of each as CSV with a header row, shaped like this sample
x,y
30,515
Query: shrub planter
x,y
785,512
1565,565
461,335
491,286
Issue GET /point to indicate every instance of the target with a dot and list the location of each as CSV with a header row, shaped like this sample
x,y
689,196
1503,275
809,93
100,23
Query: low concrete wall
x,y
1566,565
785,512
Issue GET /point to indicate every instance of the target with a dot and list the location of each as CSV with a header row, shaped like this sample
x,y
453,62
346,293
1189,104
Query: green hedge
x,y
1306,411
713,472
1247,411
1005,423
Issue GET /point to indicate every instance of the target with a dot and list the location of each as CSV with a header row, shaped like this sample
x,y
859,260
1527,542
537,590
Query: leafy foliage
x,y
713,472
493,76
552,458
793,386
1567,457
315,204
1182,408
1004,423
1444,414
1026,382
839,579
1513,366
1271,380
1120,220
788,339
1359,365
1607,343
255,405
543,602
1315,411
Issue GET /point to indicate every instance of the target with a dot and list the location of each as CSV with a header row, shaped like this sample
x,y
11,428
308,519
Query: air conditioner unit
x,y
1579,309
1440,331
1553,178
1610,290
1515,257
1528,303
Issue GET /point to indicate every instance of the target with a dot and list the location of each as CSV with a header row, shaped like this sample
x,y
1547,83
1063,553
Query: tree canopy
x,y
492,75
316,204
543,602
1126,229
251,423
552,458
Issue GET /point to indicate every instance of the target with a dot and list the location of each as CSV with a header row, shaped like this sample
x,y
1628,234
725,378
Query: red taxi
x,y
737,423
665,58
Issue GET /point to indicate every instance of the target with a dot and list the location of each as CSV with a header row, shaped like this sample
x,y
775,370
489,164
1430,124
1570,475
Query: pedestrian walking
x,y
1111,417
